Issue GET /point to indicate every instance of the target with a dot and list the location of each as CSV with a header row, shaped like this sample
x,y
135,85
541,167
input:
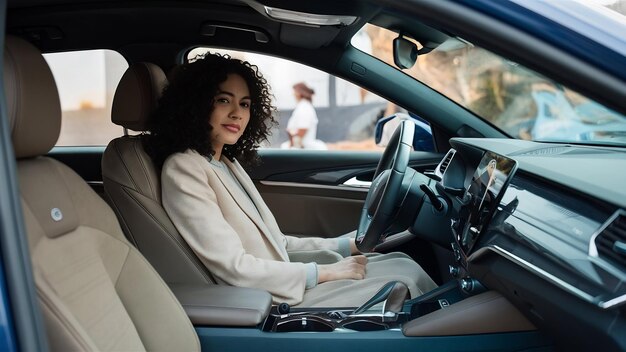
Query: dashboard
x,y
545,225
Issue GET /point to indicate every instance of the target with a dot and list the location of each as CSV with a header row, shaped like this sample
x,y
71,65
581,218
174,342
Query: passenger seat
x,y
96,291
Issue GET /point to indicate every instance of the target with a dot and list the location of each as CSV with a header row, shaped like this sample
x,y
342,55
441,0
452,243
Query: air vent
x,y
569,150
544,151
443,165
610,241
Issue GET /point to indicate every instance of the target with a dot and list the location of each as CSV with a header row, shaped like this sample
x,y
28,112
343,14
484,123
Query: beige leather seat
x,y
134,186
96,291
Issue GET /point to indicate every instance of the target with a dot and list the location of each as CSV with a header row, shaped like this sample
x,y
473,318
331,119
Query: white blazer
x,y
240,245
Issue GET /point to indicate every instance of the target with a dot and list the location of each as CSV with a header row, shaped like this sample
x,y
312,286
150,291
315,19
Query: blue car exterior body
x,y
7,336
601,47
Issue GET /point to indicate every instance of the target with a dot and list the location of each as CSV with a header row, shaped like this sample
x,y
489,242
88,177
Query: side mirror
x,y
404,52
422,137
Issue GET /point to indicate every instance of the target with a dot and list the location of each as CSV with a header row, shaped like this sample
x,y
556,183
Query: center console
x,y
459,307
386,310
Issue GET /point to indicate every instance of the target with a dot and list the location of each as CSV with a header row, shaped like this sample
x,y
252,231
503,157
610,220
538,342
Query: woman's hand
x,y
347,268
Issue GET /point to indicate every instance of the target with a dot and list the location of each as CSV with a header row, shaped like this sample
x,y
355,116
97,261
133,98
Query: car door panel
x,y
307,190
313,210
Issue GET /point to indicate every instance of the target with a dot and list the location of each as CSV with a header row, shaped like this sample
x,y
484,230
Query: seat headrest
x,y
32,97
137,95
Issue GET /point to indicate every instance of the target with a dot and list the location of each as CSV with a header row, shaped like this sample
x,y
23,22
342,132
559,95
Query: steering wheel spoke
x,y
384,194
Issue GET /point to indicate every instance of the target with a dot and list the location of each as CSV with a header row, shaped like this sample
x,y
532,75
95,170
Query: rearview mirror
x,y
404,52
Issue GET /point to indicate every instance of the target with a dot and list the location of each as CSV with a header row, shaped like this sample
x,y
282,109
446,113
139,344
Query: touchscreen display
x,y
485,191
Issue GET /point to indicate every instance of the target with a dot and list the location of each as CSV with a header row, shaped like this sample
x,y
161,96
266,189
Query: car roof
x,y
157,31
161,31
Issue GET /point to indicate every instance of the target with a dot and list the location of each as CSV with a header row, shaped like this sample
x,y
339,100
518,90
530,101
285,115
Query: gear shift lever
x,y
393,294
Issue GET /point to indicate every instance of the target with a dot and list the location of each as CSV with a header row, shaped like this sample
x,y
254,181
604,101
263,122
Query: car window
x,y
86,81
347,114
517,100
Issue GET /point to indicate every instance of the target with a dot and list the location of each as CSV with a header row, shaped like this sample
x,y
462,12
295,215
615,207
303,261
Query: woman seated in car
x,y
210,119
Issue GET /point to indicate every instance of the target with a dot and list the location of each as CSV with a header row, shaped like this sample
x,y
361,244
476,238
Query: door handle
x,y
354,182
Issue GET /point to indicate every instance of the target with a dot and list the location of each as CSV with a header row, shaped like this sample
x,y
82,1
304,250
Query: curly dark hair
x,y
181,120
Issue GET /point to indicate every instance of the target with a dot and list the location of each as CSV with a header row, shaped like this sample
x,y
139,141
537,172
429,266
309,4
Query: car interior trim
x,y
219,339
614,302
593,250
488,312
308,19
617,301
311,185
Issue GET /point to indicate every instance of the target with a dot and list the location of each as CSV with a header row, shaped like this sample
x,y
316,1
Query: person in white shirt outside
x,y
302,125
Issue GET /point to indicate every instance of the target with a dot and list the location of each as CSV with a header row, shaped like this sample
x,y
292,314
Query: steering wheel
x,y
384,196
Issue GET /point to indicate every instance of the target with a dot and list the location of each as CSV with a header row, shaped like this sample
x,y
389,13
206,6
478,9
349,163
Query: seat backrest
x,y
133,184
96,291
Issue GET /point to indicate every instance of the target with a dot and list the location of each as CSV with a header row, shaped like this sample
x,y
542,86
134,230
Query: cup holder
x,y
310,323
328,321
303,323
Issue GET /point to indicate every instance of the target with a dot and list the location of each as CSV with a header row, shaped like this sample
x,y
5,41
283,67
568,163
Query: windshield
x,y
519,101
